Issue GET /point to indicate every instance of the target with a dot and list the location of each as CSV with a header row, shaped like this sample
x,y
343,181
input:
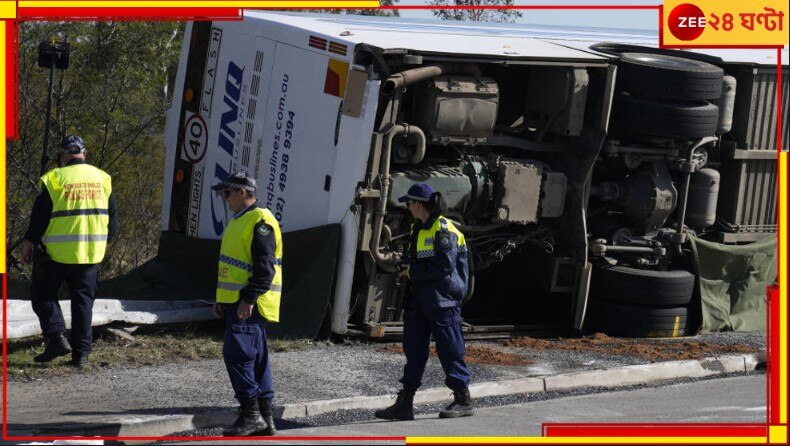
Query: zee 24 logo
x,y
687,21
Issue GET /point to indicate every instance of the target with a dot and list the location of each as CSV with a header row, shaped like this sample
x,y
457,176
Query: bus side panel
x,y
301,138
350,165
352,148
171,130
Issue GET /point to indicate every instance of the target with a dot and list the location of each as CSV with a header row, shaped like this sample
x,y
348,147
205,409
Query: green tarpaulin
x,y
732,283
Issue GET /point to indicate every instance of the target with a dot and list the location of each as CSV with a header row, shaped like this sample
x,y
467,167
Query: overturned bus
x,y
580,165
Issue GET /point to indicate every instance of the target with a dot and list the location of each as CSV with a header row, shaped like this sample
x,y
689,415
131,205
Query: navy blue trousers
x,y
82,281
246,355
444,324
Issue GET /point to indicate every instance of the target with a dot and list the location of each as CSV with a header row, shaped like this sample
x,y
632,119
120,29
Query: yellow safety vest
x,y
426,238
235,262
77,230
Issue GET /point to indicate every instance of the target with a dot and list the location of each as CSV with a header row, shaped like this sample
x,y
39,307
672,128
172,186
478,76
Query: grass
x,y
153,345
287,345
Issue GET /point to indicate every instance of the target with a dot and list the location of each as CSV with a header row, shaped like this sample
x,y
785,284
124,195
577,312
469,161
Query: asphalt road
x,y
738,399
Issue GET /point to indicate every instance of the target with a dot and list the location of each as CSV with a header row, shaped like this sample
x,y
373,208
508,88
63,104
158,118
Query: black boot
x,y
57,345
79,362
460,407
265,406
251,420
403,409
239,418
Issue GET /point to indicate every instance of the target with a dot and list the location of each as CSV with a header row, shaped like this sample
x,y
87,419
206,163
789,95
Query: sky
x,y
631,19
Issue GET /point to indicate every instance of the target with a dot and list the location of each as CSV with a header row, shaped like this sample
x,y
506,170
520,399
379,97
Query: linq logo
x,y
686,22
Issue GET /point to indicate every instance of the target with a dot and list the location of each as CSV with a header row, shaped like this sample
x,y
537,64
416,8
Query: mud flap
x,y
185,268
309,267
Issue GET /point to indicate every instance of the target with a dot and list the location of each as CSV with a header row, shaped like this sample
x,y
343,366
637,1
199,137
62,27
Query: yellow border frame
x,y
778,434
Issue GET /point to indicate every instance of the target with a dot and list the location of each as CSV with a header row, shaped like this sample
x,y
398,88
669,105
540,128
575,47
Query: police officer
x,y
74,217
435,263
248,295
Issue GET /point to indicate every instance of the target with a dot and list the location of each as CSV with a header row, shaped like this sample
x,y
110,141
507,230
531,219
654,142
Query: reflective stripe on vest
x,y
78,225
235,262
74,212
426,238
239,286
73,238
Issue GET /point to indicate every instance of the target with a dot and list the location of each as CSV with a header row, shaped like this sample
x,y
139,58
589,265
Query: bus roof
x,y
504,40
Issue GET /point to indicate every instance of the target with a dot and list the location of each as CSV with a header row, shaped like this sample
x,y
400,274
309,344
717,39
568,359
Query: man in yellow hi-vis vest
x,y
249,286
73,218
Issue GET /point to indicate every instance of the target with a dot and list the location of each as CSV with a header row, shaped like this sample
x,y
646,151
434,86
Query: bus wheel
x,y
642,287
635,321
668,77
639,116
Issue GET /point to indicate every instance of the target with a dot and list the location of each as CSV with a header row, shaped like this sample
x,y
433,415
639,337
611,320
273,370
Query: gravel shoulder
x,y
320,371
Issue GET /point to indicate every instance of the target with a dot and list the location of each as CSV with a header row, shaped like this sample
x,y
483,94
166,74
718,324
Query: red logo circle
x,y
686,21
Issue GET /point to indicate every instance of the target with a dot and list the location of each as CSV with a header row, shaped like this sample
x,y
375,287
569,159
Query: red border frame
x,y
779,100
5,357
654,430
165,13
522,7
772,375
549,429
11,92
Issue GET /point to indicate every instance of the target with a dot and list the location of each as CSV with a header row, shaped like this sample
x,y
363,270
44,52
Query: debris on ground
x,y
650,349
475,354
120,334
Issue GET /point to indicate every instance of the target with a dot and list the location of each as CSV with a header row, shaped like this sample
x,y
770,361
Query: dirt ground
x,y
475,354
652,350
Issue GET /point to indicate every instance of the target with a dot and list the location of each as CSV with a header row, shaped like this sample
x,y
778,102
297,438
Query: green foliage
x,y
478,15
114,95
366,12
374,12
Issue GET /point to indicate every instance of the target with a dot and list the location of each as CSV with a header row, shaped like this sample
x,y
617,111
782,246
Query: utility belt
x,y
41,263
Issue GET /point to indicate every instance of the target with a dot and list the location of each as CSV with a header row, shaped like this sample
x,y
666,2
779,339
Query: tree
x,y
374,12
479,14
114,96
366,12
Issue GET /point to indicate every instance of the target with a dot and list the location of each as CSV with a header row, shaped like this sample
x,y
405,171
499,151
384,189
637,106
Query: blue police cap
x,y
237,180
73,144
419,192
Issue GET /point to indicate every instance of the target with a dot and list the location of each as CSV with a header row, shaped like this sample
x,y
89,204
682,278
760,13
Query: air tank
x,y
726,105
702,198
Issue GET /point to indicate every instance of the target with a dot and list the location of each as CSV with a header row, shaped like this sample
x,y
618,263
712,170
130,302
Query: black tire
x,y
632,321
642,287
618,49
668,77
637,116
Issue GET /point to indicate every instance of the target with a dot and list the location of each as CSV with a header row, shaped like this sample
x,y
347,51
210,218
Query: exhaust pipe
x,y
408,77
387,261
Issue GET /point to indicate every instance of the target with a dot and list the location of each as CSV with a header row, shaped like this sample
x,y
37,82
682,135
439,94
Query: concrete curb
x,y
159,425
23,322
